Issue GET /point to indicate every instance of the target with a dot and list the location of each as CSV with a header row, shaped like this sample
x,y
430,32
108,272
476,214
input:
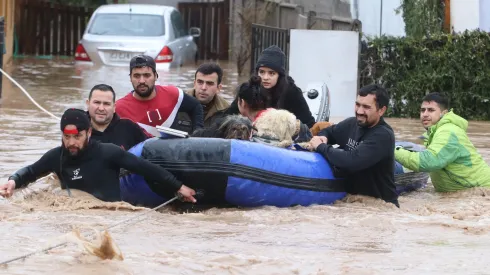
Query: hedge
x,y
455,64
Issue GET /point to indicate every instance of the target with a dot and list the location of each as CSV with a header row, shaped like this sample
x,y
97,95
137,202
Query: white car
x,y
116,33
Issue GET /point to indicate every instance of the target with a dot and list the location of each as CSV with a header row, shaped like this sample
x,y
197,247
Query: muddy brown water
x,y
431,233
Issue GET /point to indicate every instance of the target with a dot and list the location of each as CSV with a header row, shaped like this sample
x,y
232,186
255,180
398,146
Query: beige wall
x,y
7,11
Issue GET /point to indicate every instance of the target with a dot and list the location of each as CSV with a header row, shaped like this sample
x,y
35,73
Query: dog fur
x,y
317,127
276,126
228,127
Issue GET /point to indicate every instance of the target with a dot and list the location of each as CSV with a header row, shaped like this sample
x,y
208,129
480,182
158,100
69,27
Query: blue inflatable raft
x,y
239,173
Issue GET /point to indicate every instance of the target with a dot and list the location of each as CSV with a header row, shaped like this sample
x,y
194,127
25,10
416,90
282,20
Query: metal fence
x,y
264,37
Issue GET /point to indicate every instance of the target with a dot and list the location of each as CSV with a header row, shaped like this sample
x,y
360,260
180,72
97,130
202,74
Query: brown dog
x,y
317,127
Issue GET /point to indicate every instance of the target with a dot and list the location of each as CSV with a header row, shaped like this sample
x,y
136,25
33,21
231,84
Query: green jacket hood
x,y
452,118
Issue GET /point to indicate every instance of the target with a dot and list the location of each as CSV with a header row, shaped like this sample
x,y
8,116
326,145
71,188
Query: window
x,y
178,24
128,25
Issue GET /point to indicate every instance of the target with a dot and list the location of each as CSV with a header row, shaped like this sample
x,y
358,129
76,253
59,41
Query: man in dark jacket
x,y
365,157
207,89
107,126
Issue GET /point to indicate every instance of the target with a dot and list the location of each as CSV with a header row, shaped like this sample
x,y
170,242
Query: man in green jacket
x,y
450,157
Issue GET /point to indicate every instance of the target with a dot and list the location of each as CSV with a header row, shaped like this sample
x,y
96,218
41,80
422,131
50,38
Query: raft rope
x,y
126,221
28,95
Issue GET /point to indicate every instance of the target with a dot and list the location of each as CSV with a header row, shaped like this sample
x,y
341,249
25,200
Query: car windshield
x,y
127,25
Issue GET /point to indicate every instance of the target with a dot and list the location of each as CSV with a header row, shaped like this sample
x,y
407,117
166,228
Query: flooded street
x,y
431,233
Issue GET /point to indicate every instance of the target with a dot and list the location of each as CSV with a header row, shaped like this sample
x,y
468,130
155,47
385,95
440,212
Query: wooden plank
x,y
213,20
222,37
447,16
77,16
41,28
204,33
40,37
68,31
209,25
21,27
48,30
63,26
224,25
31,32
26,29
214,29
83,21
55,27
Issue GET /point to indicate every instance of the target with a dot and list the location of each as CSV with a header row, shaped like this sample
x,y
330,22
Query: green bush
x,y
409,68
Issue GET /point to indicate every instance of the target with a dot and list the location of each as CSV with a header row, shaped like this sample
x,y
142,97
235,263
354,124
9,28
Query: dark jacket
x,y
292,100
212,111
121,132
365,157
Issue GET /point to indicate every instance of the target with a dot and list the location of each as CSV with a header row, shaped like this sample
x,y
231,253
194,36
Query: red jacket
x,y
160,110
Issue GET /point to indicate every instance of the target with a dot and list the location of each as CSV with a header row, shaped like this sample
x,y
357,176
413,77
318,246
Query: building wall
x,y
470,15
7,11
465,14
485,15
326,8
379,17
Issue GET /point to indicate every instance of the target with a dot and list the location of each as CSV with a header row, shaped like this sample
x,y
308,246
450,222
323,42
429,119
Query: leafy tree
x,y
422,17
409,68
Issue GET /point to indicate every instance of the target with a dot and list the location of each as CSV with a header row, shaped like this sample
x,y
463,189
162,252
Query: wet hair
x,y
381,95
210,68
252,92
104,88
438,98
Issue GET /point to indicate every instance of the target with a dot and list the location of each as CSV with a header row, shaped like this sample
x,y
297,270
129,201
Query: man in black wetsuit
x,y
107,126
91,166
365,157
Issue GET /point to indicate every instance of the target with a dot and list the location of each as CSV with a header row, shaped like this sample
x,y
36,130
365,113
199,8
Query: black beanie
x,y
76,117
274,58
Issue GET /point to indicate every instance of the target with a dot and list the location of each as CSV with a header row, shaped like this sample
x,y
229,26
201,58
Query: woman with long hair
x,y
253,101
283,92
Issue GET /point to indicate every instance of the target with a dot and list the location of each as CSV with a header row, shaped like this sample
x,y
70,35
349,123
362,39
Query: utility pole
x,y
356,9
381,18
